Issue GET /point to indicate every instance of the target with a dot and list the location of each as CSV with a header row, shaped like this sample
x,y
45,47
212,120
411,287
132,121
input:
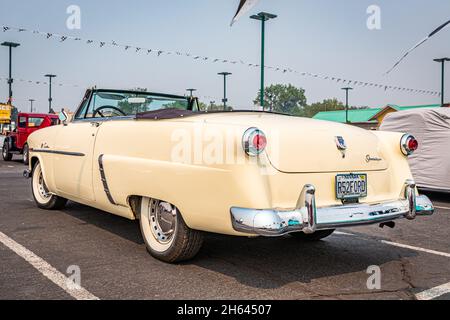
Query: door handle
x,y
95,124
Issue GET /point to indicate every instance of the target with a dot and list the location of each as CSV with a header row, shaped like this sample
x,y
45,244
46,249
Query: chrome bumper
x,y
306,217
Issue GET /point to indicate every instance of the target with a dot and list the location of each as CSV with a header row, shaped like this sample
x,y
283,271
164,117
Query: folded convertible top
x,y
166,114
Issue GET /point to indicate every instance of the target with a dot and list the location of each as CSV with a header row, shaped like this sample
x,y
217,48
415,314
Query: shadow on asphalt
x,y
119,226
253,261
265,263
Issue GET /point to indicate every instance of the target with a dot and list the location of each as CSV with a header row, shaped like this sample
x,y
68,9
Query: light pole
x,y
50,77
263,17
31,102
442,61
346,103
191,91
10,79
225,100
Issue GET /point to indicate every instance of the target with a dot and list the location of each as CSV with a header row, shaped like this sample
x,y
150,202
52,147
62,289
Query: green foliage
x,y
325,105
281,98
291,100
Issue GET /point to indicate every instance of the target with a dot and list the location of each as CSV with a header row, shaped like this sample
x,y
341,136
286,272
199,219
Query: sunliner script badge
x,y
369,158
341,145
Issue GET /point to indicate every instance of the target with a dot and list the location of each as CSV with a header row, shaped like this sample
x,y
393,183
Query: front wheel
x,y
7,155
166,235
316,236
42,196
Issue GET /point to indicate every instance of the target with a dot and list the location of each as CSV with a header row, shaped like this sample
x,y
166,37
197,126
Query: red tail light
x,y
254,142
409,144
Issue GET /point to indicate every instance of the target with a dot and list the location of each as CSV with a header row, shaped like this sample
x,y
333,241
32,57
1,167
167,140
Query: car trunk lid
x,y
301,145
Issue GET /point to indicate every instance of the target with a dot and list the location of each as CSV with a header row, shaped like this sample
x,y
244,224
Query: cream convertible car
x,y
182,171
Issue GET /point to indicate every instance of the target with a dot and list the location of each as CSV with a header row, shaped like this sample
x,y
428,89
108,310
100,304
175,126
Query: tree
x,y
325,105
281,98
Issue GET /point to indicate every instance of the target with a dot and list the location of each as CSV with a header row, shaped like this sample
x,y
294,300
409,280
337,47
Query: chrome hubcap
x,y
163,220
43,191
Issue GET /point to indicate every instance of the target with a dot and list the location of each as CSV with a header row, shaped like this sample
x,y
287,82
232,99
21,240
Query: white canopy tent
x,y
430,164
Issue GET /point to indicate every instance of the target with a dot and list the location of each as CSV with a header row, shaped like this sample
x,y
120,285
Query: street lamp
x,y
10,79
31,101
50,77
263,17
442,61
346,103
191,91
225,100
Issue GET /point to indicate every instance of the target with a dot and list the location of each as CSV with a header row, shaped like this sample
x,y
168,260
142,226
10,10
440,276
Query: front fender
x,y
46,170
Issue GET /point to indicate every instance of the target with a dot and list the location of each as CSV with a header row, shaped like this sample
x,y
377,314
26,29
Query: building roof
x,y
358,115
365,115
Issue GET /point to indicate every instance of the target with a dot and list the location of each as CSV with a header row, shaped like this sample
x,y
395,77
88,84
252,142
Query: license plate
x,y
350,186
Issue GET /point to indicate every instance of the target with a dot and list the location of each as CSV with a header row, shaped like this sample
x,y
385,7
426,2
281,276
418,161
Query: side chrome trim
x,y
104,181
64,153
308,218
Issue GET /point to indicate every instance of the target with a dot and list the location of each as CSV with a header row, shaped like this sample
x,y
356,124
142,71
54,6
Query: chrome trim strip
x,y
64,153
104,181
307,218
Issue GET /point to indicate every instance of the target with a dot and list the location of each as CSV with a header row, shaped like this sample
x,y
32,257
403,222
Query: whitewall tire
x,y
166,235
42,196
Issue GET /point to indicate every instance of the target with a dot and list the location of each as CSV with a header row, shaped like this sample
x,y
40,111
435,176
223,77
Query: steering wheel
x,y
99,111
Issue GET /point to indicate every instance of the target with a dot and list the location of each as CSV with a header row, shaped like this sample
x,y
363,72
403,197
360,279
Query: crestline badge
x,y
341,145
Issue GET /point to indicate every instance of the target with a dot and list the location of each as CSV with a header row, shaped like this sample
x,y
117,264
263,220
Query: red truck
x,y
16,141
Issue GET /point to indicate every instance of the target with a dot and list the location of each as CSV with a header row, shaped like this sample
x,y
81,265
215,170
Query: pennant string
x,y
284,70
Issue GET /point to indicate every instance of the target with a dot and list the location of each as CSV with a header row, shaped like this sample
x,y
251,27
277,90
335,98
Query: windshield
x,y
119,104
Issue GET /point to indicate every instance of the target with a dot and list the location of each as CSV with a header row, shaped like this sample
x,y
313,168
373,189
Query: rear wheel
x,y
26,154
7,155
316,236
166,235
42,196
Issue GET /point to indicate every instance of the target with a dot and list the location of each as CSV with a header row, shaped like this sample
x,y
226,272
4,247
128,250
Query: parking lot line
x,y
395,244
46,269
399,245
443,208
434,293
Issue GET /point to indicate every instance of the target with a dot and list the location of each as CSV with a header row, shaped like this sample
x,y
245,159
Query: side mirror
x,y
63,117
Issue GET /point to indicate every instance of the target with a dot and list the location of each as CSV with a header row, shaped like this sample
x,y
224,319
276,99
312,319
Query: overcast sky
x,y
318,36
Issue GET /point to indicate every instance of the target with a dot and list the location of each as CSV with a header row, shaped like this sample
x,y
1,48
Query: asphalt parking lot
x,y
37,248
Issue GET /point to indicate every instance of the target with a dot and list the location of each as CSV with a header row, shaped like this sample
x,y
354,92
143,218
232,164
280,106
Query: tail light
x,y
409,144
254,142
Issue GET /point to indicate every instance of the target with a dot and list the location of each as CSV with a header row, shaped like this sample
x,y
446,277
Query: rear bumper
x,y
306,217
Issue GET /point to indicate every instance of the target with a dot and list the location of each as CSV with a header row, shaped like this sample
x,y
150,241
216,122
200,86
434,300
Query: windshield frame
x,y
90,93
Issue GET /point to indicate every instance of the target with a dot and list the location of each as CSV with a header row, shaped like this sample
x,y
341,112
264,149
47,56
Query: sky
x,y
318,36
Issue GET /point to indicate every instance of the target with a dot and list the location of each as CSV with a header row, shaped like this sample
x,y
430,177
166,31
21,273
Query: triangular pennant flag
x,y
244,7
